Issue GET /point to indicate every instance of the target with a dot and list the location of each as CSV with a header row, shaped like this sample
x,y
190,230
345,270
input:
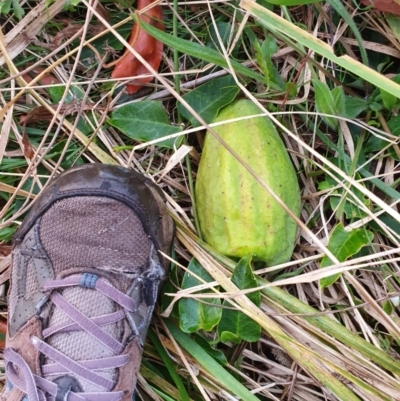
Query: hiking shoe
x,y
85,277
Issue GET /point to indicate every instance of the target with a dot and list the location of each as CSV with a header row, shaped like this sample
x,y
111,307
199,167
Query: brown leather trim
x,y
130,370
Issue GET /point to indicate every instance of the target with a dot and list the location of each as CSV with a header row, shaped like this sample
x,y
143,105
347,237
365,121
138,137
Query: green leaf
x,y
210,365
388,221
262,62
145,121
393,154
372,179
56,93
208,99
201,52
354,106
344,244
346,202
7,233
264,53
394,23
229,337
388,100
269,48
291,89
325,103
5,6
235,325
72,3
198,314
89,59
351,210
225,32
339,100
341,10
18,10
394,125
218,355
388,307
338,6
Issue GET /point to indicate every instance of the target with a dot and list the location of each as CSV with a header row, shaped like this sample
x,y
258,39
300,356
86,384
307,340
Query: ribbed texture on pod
x,y
237,216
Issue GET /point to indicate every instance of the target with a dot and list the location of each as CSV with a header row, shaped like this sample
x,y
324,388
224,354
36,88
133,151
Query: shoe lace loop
x,y
39,388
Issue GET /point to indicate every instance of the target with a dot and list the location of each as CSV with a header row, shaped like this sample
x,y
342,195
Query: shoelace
x,y
39,388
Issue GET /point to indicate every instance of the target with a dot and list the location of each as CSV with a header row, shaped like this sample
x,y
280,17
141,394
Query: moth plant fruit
x,y
237,215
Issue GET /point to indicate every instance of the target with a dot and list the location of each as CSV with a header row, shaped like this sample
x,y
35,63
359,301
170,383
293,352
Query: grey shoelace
x,y
39,388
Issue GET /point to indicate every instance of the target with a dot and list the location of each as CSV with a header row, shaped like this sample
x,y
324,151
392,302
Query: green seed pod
x,y
237,215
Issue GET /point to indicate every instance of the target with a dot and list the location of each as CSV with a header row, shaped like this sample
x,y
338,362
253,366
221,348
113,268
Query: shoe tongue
x,y
65,384
80,345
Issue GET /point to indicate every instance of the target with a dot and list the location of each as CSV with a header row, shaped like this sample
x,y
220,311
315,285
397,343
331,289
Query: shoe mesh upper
x,y
94,232
79,345
32,283
13,294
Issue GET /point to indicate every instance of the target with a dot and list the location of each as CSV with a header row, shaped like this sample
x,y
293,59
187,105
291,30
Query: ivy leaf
x,y
209,98
235,325
198,314
344,244
145,121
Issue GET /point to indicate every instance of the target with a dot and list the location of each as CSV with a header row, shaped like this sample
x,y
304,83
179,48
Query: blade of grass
x,y
209,363
276,23
164,386
10,189
168,364
387,189
341,10
162,395
201,52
